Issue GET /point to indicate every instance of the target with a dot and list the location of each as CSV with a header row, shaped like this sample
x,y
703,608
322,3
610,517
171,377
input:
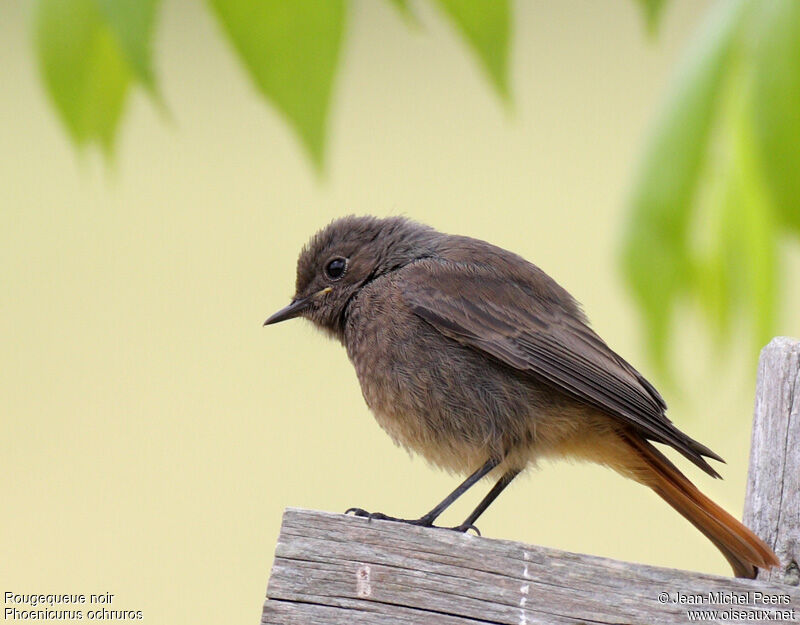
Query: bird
x,y
479,361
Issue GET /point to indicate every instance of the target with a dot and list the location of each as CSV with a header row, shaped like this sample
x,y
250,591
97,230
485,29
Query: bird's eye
x,y
335,268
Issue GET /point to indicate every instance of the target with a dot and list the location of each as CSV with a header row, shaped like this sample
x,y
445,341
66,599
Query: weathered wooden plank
x,y
340,569
772,504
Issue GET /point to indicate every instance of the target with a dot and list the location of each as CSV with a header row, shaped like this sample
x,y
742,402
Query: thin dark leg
x,y
428,519
463,488
469,522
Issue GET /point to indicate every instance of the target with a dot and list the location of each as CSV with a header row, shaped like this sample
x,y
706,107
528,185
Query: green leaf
x,y
132,22
710,266
83,68
405,10
737,271
655,251
652,10
776,108
486,26
754,246
291,50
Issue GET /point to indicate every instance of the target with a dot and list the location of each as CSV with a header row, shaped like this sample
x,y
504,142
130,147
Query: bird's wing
x,y
504,319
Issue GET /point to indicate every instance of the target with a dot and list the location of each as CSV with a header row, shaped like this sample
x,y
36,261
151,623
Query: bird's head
x,y
343,257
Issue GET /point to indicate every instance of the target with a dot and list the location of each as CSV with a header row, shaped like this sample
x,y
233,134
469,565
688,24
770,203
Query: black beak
x,y
295,308
289,312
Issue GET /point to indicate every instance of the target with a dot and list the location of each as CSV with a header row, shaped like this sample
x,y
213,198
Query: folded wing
x,y
505,319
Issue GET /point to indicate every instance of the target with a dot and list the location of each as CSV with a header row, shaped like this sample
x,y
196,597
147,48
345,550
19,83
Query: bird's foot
x,y
465,527
424,521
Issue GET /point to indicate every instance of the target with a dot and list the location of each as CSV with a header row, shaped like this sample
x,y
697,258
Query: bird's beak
x,y
296,307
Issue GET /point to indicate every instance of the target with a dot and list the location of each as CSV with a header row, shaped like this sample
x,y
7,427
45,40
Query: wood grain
x,y
332,568
772,503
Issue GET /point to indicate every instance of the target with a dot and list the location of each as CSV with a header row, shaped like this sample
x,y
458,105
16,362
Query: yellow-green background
x,y
153,431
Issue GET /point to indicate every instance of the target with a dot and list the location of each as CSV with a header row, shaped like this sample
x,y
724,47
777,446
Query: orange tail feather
x,y
741,547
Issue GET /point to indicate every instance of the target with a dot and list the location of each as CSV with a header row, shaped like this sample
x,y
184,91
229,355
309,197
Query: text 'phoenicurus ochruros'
x,y
476,359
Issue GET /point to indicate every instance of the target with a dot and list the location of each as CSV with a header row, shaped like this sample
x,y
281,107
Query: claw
x,y
360,512
464,528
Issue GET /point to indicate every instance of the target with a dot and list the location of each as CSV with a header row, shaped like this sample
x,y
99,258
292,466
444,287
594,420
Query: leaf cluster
x,y
719,182
92,51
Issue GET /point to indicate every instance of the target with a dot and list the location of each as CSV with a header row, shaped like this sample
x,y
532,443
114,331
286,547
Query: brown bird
x,y
480,362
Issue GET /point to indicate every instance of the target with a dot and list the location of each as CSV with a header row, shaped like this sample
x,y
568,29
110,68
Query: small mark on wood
x,y
791,575
523,600
363,586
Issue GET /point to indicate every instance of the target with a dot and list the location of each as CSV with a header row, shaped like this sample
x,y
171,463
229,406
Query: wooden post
x,y
772,503
333,569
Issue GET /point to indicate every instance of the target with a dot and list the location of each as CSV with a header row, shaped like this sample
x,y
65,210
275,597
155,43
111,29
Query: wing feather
x,y
504,319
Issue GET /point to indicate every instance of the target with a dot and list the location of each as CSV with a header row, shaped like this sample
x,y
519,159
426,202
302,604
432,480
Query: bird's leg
x,y
469,522
428,519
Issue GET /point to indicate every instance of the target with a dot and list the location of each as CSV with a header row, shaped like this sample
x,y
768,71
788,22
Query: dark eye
x,y
335,268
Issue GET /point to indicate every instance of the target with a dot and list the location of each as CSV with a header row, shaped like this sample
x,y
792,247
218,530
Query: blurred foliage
x,y
291,50
485,24
90,51
652,12
719,183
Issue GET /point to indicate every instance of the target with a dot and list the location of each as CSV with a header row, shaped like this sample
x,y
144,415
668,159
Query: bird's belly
x,y
451,404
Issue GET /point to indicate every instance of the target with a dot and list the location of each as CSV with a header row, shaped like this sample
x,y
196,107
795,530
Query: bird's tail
x,y
741,547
